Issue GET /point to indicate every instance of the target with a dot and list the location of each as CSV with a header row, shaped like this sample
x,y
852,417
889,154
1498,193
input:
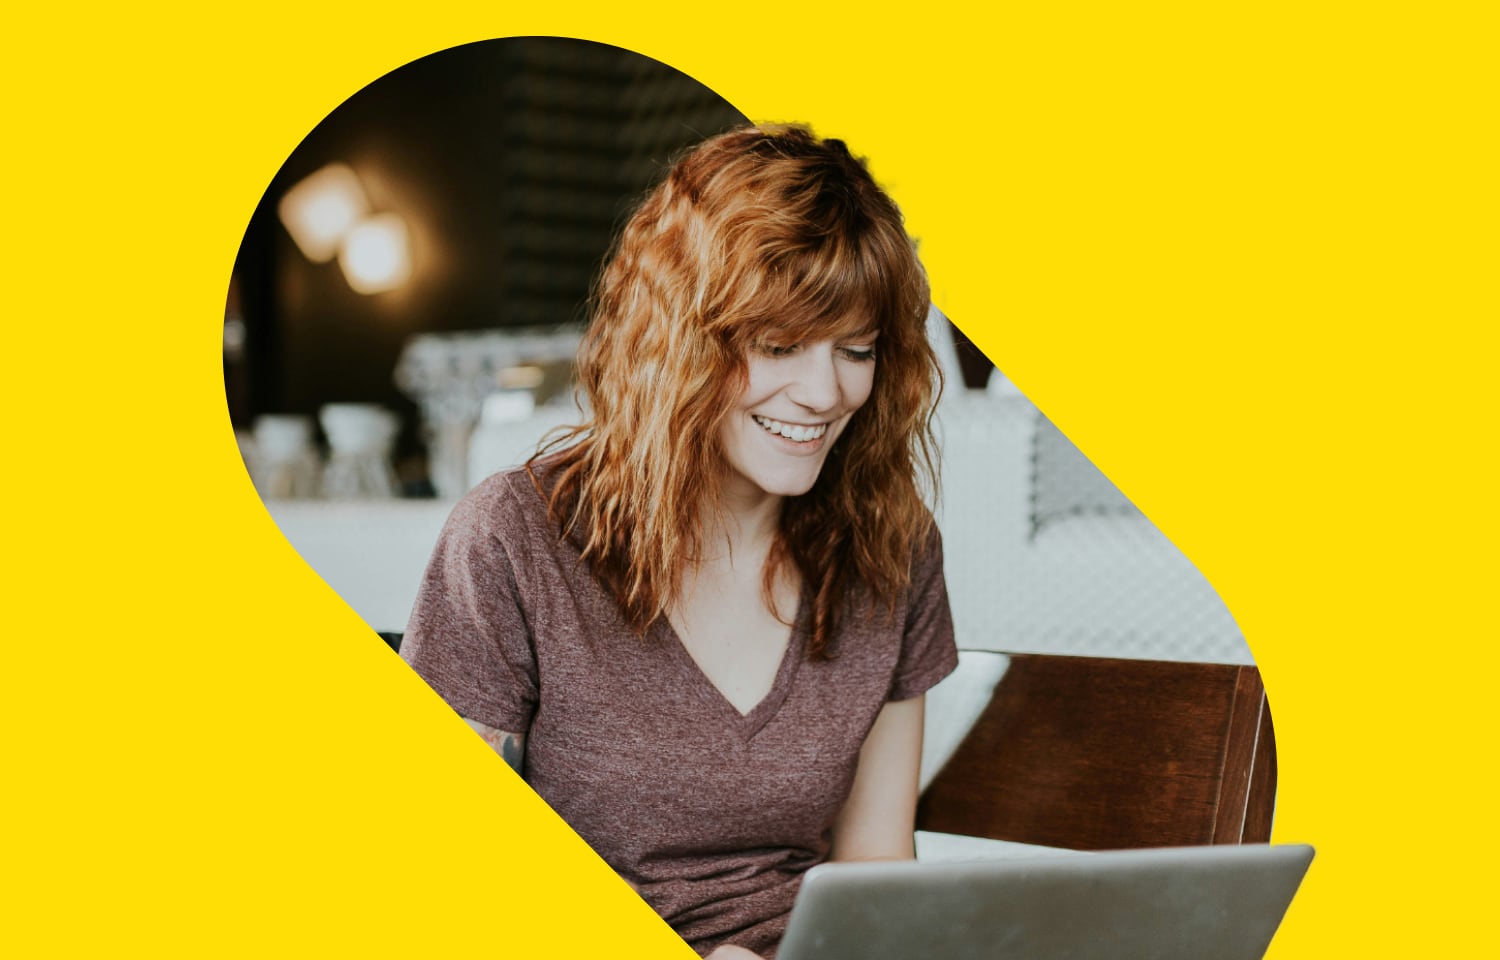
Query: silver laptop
x,y
1180,903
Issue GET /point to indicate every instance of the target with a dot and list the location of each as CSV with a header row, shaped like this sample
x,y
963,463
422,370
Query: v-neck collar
x,y
747,725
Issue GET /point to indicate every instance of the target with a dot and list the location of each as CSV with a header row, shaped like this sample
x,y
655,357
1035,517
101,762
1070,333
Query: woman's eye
x,y
858,354
777,349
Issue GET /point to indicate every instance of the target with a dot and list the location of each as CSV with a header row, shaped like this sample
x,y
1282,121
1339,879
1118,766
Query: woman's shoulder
x,y
506,504
927,548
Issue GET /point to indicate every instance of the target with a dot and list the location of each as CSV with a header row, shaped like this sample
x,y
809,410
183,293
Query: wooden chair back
x,y
1097,754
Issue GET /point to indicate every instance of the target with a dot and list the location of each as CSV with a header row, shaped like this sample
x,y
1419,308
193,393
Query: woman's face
x,y
799,399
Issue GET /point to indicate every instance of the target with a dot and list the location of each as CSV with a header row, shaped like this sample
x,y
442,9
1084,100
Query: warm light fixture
x,y
376,255
321,210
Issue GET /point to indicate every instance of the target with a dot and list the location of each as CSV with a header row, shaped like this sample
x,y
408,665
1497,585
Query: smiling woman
x,y
701,624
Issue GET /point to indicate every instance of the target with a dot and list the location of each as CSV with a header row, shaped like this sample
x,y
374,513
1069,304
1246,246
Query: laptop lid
x,y
1187,903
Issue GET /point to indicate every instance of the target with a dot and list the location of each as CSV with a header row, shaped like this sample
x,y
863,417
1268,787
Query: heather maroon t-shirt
x,y
712,814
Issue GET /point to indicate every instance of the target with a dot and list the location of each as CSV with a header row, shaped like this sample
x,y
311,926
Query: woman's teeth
x,y
799,434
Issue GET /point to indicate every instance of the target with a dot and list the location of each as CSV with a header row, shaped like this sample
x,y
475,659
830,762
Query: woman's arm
x,y
510,746
878,819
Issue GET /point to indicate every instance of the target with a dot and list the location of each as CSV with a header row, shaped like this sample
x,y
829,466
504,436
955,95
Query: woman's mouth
x,y
794,432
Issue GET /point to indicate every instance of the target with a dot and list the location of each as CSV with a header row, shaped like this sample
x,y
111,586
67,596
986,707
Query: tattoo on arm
x,y
510,746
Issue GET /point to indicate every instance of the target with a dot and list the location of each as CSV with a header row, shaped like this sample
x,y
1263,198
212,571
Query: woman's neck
x,y
742,528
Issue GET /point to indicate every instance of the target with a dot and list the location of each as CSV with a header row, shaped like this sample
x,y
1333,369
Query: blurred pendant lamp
x,y
376,255
321,209
328,215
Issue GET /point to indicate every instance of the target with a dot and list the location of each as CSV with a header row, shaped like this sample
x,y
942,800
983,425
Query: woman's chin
x,y
789,484
779,484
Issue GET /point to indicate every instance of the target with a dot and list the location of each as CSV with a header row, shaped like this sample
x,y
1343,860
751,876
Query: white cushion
x,y
954,705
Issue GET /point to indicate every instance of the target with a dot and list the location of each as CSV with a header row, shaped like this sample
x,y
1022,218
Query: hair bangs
x,y
836,291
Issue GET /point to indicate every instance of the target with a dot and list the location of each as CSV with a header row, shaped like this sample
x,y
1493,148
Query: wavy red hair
x,y
763,231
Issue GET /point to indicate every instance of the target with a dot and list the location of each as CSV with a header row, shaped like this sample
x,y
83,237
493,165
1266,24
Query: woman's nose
x,y
815,382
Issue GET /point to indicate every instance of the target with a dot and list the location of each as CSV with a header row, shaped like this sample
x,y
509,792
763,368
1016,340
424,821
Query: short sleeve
x,y
928,650
468,636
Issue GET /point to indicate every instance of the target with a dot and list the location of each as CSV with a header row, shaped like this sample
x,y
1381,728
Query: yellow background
x,y
1244,255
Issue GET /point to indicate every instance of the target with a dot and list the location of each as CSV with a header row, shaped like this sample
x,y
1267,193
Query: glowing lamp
x,y
376,255
321,210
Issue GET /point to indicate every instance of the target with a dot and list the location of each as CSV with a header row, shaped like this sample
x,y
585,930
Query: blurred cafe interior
x,y
401,322
443,224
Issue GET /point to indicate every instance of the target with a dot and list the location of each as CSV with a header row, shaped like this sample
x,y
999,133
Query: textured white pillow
x,y
935,847
955,704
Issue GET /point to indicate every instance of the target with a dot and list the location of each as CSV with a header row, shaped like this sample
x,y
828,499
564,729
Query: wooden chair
x,y
1095,754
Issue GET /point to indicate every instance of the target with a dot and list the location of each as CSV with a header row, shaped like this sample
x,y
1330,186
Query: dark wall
x,y
511,160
